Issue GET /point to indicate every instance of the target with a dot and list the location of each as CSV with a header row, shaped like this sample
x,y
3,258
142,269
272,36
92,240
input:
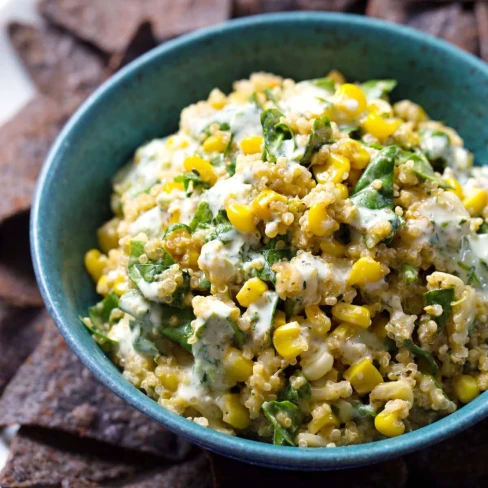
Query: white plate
x,y
16,89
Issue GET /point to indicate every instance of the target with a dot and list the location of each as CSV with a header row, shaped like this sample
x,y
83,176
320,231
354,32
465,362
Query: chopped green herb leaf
x,y
321,134
378,88
417,351
275,132
274,412
290,394
410,274
422,168
444,298
192,178
203,217
273,255
327,84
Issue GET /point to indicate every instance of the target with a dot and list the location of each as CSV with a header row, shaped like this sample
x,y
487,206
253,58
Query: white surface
x,y
6,435
16,89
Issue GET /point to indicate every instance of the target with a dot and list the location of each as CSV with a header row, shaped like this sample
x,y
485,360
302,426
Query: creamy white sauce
x,y
478,178
121,333
134,303
460,158
212,334
262,313
437,146
215,254
150,222
312,270
149,290
307,99
459,250
368,218
243,120
193,391
233,187
187,207
140,176
216,307
449,222
180,155
291,151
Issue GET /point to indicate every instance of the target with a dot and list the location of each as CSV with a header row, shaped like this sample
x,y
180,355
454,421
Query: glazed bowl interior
x,y
144,101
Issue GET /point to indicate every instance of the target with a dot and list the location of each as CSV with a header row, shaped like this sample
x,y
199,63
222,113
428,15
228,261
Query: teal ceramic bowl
x,y
144,100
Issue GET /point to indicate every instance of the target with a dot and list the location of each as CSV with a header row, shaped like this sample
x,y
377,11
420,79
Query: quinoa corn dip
x,y
302,263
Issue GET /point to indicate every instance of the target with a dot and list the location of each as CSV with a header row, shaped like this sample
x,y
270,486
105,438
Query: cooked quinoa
x,y
301,263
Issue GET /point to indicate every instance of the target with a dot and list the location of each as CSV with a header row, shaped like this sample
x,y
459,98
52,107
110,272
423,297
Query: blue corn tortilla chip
x,y
20,332
111,25
18,285
54,390
58,64
43,457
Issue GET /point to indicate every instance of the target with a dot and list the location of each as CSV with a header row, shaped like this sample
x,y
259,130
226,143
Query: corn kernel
x,y
358,156
261,204
102,286
343,191
389,424
317,217
171,142
328,419
476,201
218,104
173,185
363,376
336,76
466,388
343,332
279,318
107,235
193,255
331,247
320,322
352,314
379,127
381,107
350,100
237,367
95,263
176,142
378,328
214,144
202,167
175,216
336,169
457,189
241,217
315,314
120,285
288,342
217,99
393,390
365,270
169,380
252,145
235,413
251,292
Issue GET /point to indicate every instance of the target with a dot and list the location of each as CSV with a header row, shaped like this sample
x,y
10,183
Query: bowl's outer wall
x,y
145,102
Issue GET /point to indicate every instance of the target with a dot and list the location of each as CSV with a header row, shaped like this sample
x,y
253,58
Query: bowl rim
x,y
251,451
